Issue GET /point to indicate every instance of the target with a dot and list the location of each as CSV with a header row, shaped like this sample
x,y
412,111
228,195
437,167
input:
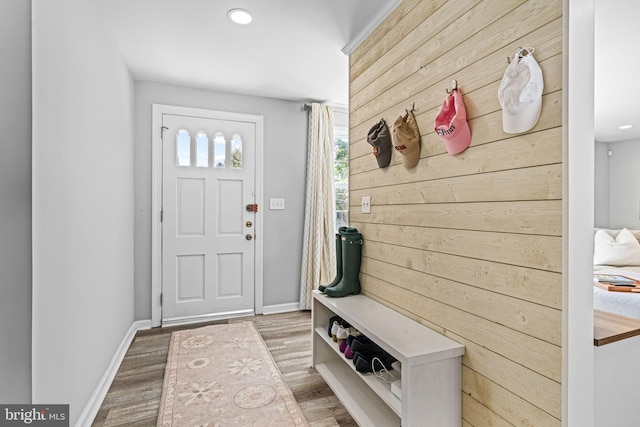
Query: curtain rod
x,y
339,107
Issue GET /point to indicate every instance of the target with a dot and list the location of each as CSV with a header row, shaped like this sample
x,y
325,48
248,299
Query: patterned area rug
x,y
223,375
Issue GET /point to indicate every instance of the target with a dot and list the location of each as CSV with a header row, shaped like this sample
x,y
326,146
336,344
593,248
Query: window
x,y
341,175
183,148
204,152
220,150
202,149
236,152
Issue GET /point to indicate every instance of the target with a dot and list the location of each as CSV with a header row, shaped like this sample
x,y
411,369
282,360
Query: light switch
x,y
366,204
276,204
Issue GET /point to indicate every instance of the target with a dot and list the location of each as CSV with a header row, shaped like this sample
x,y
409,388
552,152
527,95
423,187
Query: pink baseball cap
x,y
451,124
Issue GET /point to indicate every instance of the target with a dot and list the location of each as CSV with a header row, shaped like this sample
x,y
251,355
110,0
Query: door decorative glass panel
x,y
183,148
202,149
220,150
236,152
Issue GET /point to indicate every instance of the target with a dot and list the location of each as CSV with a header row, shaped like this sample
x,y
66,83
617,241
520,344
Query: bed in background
x,y
617,252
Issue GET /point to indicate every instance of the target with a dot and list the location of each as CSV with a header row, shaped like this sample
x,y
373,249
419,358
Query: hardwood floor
x,y
134,396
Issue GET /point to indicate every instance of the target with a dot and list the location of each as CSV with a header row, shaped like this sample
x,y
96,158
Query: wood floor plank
x,y
134,396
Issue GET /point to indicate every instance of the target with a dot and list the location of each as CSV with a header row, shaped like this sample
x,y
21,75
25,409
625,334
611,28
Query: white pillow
x,y
623,250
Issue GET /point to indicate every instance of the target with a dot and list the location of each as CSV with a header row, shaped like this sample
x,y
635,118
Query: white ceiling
x,y
291,50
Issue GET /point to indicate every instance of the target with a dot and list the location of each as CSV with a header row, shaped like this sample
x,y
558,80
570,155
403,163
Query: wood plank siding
x,y
469,245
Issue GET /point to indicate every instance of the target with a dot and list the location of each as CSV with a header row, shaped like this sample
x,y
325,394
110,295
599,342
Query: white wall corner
x,y
380,16
578,213
93,406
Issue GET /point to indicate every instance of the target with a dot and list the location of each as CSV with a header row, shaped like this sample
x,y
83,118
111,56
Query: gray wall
x,y
601,185
285,135
83,100
624,184
15,201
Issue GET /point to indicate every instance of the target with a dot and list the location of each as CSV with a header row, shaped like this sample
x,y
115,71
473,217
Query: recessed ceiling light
x,y
239,16
623,127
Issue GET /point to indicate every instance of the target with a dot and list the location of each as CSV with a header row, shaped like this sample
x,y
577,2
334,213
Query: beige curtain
x,y
318,250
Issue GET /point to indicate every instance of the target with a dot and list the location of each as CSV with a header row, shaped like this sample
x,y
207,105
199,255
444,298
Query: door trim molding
x,y
156,198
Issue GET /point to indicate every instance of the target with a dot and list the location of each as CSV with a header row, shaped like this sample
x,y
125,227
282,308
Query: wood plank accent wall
x,y
469,245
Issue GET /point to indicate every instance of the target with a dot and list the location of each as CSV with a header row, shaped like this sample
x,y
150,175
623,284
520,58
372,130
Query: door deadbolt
x,y
248,224
248,236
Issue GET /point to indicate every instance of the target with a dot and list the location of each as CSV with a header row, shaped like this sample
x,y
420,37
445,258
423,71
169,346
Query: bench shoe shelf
x,y
431,366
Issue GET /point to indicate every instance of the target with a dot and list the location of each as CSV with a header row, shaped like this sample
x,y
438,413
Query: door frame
x,y
158,110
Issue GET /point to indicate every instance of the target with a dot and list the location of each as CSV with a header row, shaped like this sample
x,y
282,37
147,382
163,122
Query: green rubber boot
x,y
321,288
351,258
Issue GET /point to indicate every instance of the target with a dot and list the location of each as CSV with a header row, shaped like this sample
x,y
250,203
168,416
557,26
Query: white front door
x,y
208,228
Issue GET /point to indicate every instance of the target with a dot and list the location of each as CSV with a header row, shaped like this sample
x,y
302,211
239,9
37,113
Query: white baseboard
x,y
142,325
281,308
93,406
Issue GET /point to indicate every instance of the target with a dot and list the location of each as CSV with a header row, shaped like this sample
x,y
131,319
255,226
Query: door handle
x,y
248,236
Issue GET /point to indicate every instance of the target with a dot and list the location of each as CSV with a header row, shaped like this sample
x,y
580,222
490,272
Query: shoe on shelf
x,y
338,325
330,327
347,350
354,332
334,330
363,361
342,333
369,355
348,353
363,344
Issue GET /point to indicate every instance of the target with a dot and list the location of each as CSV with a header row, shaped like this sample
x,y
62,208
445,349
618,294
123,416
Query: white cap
x,y
520,92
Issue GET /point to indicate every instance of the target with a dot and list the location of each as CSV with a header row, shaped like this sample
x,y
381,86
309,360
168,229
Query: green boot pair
x,y
321,288
348,257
